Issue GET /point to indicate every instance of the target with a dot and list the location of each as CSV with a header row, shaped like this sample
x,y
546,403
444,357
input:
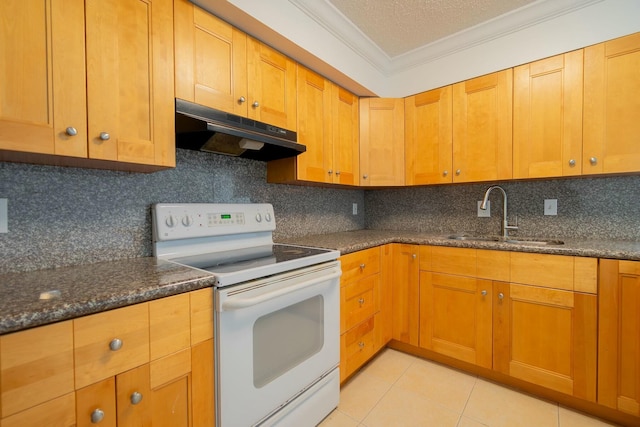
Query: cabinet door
x,y
202,386
272,86
547,337
130,86
98,402
42,79
346,147
547,117
381,141
314,127
619,329
455,317
482,130
612,106
211,60
59,412
428,137
405,293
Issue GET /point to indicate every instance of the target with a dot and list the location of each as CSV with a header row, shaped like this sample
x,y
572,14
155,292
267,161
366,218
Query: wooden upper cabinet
x,y
619,329
271,86
130,88
211,60
42,83
381,141
612,106
428,137
482,128
346,140
314,127
547,117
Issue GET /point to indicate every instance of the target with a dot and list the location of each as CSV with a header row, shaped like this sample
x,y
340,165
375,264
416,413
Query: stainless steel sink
x,y
534,242
514,241
474,238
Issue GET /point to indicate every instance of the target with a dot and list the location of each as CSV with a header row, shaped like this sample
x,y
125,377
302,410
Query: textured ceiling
x,y
400,26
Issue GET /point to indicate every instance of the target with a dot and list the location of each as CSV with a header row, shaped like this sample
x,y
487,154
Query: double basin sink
x,y
510,240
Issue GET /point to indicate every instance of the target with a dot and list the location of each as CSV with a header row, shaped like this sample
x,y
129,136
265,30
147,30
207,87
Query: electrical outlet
x,y
551,206
3,216
355,209
484,213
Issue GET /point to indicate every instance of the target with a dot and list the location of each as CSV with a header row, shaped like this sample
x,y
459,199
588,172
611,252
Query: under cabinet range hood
x,y
206,129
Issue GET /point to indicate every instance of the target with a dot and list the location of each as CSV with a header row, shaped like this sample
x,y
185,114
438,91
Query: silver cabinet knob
x,y
500,296
255,104
414,256
572,162
330,171
97,415
105,136
361,301
115,344
593,161
445,173
71,131
362,266
483,293
242,99
337,172
135,398
365,176
458,171
361,345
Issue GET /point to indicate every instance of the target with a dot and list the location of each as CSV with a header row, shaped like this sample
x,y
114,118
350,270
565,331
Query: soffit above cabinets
x,y
397,48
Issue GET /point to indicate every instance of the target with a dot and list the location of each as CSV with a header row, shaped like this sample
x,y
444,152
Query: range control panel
x,y
193,220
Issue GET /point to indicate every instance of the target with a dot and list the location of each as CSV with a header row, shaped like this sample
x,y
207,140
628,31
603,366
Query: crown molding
x,y
330,18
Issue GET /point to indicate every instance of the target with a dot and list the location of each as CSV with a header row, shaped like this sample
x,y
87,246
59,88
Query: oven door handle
x,y
240,303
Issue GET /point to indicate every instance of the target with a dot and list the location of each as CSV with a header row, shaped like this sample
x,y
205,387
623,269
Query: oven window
x,y
285,338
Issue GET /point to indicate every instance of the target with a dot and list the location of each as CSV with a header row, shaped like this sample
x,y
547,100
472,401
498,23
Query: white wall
x,y
283,25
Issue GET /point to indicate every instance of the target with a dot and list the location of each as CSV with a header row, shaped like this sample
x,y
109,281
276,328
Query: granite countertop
x,y
91,288
352,241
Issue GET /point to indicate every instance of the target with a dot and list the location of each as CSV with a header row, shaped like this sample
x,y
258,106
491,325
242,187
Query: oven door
x,y
276,337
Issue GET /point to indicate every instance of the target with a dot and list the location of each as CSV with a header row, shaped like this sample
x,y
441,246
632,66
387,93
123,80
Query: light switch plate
x,y
484,213
551,206
4,228
355,209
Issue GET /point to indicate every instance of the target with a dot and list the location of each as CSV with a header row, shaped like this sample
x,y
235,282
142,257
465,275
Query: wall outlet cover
x,y
4,228
355,209
551,206
484,213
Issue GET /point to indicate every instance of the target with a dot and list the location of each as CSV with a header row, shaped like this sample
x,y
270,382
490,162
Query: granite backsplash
x,y
67,216
588,208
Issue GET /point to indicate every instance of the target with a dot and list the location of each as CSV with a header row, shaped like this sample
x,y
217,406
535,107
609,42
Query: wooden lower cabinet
x,y
455,317
405,266
363,317
619,336
546,337
161,375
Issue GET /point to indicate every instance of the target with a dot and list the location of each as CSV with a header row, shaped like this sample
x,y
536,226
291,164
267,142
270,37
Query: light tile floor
x,y
397,389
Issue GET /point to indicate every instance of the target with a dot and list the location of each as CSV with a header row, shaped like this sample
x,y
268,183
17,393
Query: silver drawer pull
x,y
361,345
136,398
361,301
362,266
97,415
115,344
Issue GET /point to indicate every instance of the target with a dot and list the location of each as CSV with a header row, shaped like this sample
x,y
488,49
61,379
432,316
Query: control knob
x,y
258,217
171,221
267,216
187,221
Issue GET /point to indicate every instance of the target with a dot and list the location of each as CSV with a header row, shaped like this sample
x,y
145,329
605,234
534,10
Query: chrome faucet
x,y
505,223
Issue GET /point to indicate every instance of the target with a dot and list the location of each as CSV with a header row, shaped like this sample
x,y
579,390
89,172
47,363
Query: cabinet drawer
x,y
102,396
37,365
359,264
358,346
458,261
201,315
169,325
358,302
93,335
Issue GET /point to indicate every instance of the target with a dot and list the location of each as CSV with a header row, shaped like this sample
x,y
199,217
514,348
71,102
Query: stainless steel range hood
x,y
205,129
